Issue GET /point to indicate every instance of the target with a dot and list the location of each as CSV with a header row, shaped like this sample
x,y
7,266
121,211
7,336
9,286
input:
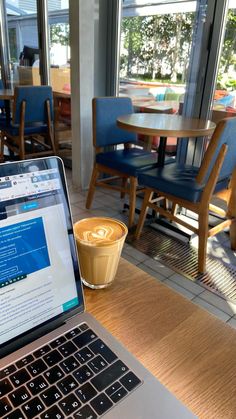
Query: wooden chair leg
x,y
124,185
147,196
132,200
202,240
92,187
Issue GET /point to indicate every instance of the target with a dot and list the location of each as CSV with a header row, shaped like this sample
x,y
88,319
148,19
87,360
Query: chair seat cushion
x,y
128,161
36,128
178,180
174,179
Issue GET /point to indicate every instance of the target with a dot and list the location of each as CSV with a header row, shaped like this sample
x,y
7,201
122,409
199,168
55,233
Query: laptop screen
x,y
39,274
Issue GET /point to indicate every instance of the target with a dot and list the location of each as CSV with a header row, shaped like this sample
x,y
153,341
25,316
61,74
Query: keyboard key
x,y
52,358
99,347
5,407
37,367
85,413
54,374
84,355
19,396
83,374
67,385
33,408
5,387
70,364
130,381
17,414
84,338
67,349
53,413
83,327
101,404
42,351
86,392
20,377
114,387
97,364
69,404
118,395
57,342
37,385
72,333
51,396
7,371
110,374
24,361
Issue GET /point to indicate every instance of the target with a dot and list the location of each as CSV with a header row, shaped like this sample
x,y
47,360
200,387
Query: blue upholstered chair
x,y
193,188
124,163
30,132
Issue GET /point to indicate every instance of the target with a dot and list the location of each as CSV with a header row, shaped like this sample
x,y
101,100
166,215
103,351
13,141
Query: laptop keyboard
x,y
75,376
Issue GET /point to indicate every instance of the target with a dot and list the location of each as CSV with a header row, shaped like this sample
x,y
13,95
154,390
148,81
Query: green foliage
x,y
228,55
59,33
157,44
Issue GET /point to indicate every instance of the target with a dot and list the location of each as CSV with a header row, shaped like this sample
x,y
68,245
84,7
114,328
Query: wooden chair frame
x,y
17,143
202,207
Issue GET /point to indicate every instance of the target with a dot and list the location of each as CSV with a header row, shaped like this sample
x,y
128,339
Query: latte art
x,y
96,231
100,234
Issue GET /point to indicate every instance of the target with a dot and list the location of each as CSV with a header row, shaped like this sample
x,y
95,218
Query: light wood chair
x,y
193,188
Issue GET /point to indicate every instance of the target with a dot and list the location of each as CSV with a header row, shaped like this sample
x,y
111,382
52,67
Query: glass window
x,y
59,32
23,40
224,100
155,50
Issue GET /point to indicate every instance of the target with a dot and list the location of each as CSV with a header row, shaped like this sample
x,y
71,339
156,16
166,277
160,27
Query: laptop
x,y
57,361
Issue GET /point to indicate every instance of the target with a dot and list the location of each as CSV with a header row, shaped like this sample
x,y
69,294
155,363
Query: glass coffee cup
x,y
99,242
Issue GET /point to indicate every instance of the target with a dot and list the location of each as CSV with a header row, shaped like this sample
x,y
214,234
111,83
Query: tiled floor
x,y
107,203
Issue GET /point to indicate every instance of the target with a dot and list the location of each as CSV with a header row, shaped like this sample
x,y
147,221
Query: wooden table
x,y
163,125
7,95
190,351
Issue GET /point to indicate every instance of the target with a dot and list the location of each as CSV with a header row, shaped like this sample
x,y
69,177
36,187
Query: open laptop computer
x,y
56,360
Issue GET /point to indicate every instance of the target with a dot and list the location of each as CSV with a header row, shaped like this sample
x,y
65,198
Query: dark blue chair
x,y
123,162
193,188
30,133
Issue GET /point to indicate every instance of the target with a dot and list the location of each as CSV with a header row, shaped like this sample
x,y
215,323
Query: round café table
x,y
165,125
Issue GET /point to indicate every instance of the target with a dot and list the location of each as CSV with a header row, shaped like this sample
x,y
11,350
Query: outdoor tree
x,y
158,44
59,33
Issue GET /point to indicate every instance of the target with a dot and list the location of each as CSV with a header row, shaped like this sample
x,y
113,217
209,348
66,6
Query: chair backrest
x,y
35,98
225,133
106,110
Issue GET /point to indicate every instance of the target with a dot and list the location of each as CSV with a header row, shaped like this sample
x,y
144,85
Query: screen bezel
x,y
21,167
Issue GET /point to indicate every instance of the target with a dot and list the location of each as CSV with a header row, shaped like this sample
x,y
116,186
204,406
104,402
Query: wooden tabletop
x,y
165,125
190,351
62,94
6,94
